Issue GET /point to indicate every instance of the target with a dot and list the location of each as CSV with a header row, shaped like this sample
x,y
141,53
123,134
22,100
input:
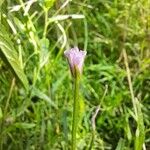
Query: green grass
x,y
36,97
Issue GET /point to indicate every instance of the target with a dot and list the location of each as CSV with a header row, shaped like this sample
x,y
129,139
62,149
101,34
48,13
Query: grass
x,y
36,100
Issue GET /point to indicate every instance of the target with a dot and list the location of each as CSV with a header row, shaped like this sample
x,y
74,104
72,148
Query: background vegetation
x,y
36,86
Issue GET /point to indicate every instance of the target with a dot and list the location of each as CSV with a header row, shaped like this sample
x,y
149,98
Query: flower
x,y
75,59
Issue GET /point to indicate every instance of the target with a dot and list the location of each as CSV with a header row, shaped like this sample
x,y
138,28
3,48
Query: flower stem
x,y
75,109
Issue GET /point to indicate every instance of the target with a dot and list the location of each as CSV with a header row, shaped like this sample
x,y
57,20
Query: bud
x,y
75,59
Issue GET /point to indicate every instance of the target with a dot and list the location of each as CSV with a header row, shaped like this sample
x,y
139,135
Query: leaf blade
x,y
10,57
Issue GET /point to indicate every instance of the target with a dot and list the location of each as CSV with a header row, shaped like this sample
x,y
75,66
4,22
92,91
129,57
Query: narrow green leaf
x,y
44,52
140,131
1,113
24,125
1,2
9,55
43,96
121,144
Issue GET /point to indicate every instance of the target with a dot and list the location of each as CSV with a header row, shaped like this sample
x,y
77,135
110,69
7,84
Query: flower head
x,y
75,59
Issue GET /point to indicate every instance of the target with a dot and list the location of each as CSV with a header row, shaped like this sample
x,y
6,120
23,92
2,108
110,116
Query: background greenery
x,y
36,86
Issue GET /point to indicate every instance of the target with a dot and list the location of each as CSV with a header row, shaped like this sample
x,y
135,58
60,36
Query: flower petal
x,y
75,59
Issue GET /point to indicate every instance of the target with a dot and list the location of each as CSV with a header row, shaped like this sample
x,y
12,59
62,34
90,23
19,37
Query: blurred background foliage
x,y
36,86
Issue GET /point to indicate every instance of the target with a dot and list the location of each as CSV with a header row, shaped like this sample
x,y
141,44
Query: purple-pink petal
x,y
75,58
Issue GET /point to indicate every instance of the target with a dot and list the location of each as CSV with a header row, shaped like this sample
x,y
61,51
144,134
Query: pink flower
x,y
75,59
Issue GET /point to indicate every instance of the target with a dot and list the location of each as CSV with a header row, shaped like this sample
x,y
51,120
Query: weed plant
x,y
36,100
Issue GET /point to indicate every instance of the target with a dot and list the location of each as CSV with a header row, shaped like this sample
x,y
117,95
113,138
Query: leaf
x,y
49,3
24,125
1,2
121,144
44,53
46,3
10,57
19,24
43,96
58,82
64,17
1,113
140,131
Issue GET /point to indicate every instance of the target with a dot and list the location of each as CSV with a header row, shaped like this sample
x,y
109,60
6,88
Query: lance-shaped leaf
x,y
9,55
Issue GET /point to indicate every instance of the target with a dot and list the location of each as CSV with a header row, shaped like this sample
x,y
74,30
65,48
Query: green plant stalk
x,y
46,23
75,108
92,140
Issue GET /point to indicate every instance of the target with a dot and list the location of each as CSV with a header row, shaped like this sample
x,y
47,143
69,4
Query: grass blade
x,y
9,56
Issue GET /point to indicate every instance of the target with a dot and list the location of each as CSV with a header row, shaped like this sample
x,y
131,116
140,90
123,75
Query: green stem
x,y
46,22
75,109
92,141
